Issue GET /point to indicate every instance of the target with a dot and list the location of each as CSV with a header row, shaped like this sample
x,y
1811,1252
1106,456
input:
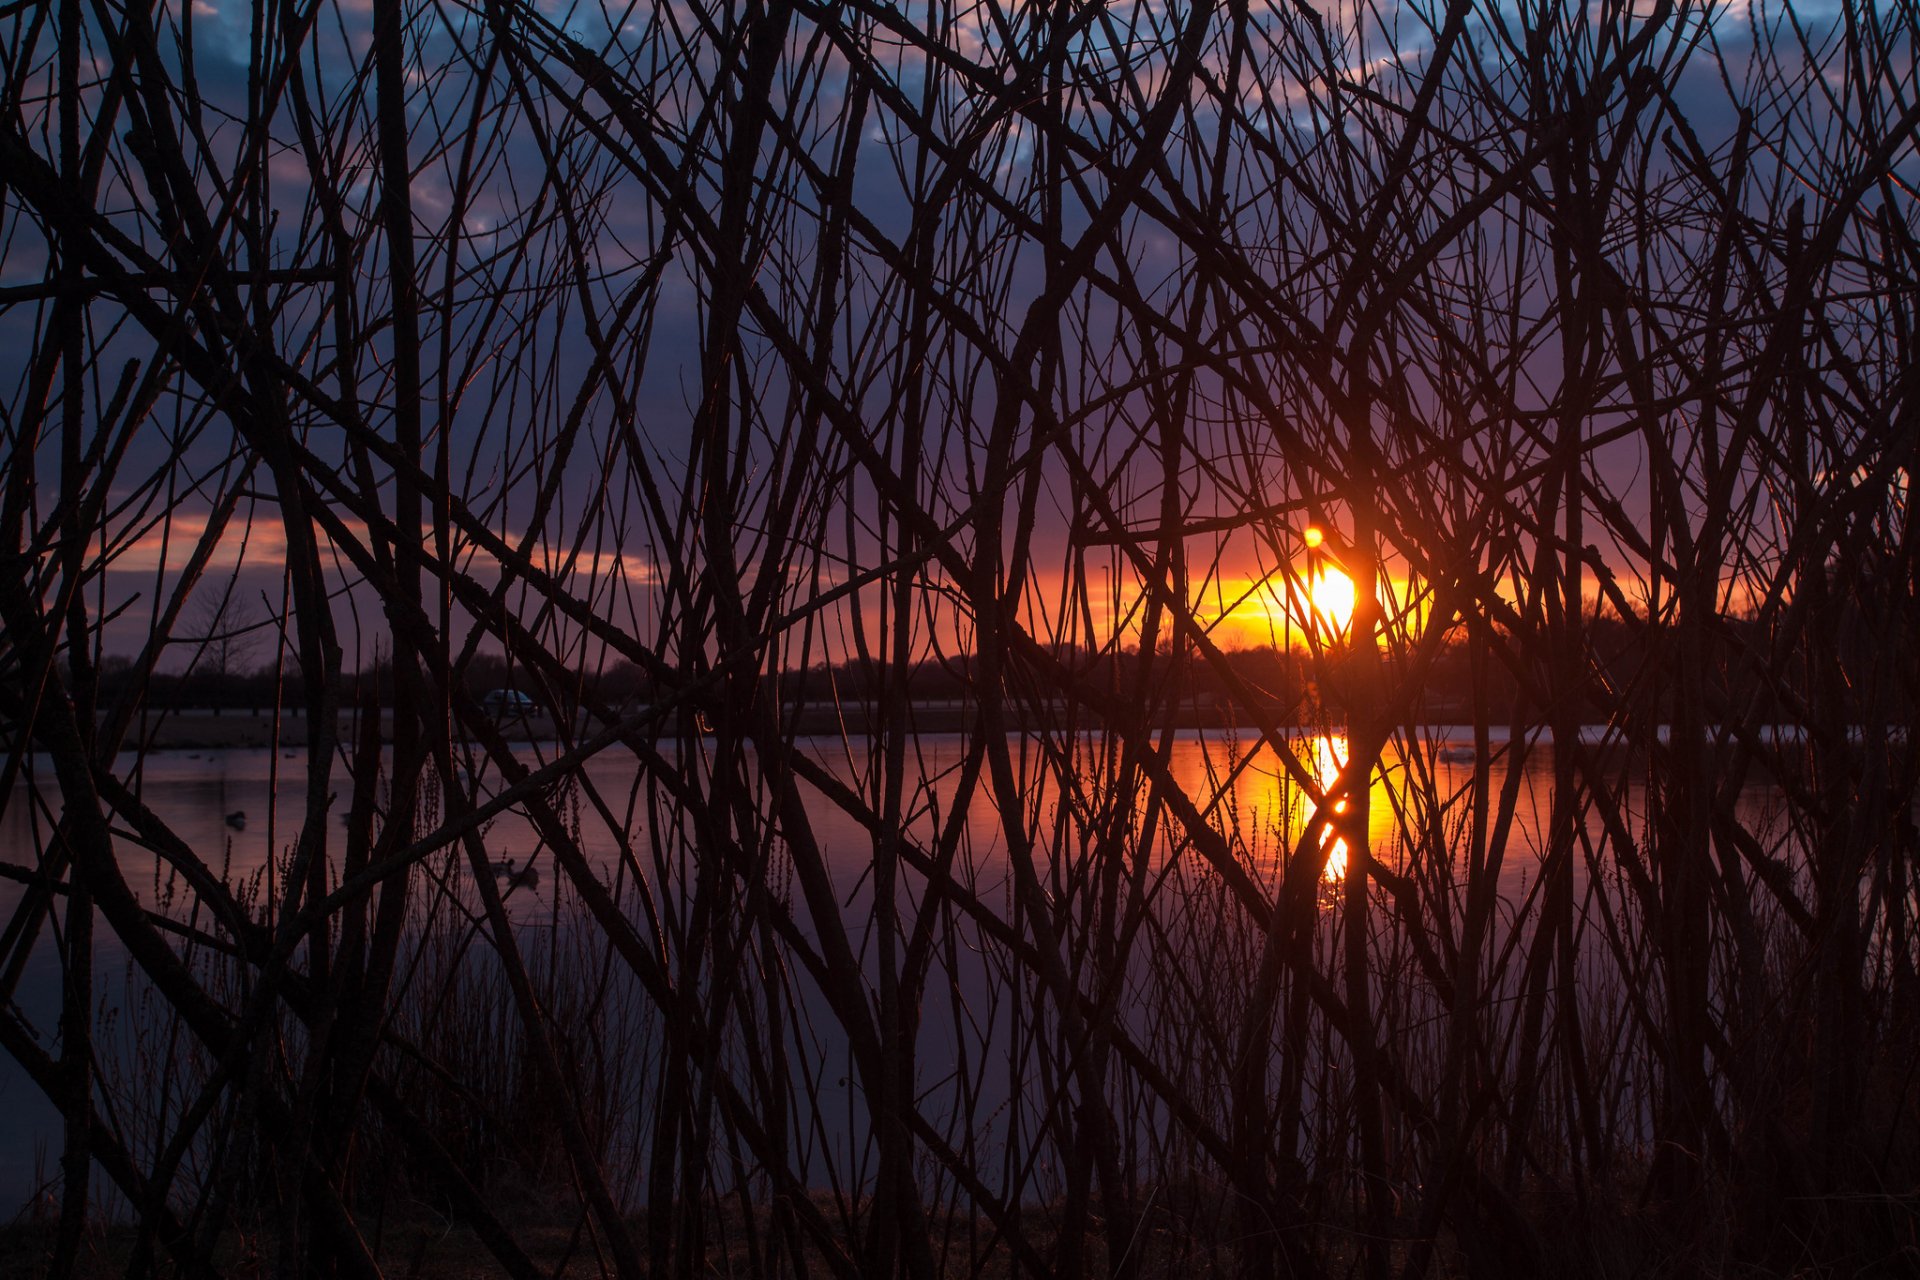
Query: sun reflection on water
x,y
1323,756
1329,756
1264,807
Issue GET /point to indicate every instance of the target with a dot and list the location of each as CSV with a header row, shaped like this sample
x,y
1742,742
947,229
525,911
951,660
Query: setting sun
x,y
1305,606
1331,592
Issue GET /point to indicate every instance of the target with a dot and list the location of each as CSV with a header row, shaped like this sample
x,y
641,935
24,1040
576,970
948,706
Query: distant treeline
x,y
1295,686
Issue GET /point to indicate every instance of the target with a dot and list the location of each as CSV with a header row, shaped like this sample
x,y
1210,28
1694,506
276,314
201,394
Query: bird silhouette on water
x,y
528,875
237,819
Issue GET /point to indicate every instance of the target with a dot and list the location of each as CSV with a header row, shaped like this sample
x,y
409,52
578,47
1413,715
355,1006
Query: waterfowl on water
x,y
237,819
528,875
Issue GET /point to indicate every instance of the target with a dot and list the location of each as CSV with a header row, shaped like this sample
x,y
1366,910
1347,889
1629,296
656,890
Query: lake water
x,y
1239,784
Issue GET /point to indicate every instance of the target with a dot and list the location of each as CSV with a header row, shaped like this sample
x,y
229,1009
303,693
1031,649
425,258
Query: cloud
x,y
596,565
169,545
151,546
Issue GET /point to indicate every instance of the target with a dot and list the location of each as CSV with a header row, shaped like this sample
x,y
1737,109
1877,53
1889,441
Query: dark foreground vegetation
x,y
689,368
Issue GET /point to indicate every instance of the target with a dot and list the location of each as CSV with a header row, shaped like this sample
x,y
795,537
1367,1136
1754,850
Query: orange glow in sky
x,y
1286,610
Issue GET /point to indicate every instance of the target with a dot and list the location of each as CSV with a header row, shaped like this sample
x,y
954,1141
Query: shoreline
x,y
205,730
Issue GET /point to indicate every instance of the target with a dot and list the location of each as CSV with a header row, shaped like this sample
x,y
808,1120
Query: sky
x,y
502,383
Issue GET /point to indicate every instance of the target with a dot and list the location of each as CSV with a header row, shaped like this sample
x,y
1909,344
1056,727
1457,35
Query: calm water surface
x,y
1238,783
